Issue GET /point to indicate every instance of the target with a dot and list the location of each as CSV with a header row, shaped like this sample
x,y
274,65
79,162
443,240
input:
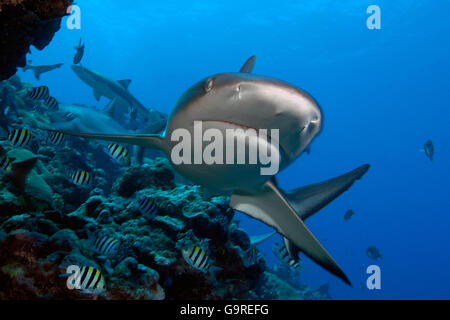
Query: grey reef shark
x,y
117,91
242,101
38,70
84,119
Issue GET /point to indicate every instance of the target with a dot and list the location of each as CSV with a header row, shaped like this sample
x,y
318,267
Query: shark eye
x,y
209,85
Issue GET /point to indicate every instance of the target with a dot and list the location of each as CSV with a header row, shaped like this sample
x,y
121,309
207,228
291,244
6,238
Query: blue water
x,y
383,94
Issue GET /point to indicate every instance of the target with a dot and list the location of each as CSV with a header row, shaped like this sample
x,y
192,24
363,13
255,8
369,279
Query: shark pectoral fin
x,y
97,95
310,199
125,83
149,141
248,65
268,205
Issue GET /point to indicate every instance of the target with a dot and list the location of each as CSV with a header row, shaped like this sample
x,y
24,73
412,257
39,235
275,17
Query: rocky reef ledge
x,y
24,23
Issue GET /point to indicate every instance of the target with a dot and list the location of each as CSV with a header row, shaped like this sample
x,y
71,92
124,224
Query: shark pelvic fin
x,y
37,74
97,95
248,65
269,205
125,83
150,141
110,108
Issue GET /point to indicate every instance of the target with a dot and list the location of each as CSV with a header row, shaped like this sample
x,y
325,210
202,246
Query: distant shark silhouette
x,y
241,101
38,70
90,119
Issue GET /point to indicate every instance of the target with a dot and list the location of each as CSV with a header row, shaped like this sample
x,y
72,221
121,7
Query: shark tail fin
x,y
21,170
248,65
310,199
150,141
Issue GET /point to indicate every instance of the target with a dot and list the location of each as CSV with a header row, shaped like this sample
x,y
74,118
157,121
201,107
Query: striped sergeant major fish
x,y
56,138
81,177
106,246
19,137
88,280
119,153
282,254
196,258
147,207
52,103
38,93
6,164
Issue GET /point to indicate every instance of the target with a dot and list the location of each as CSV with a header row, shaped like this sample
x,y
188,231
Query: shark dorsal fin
x,y
125,83
248,65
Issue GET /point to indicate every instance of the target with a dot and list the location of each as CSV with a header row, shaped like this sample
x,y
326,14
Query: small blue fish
x,y
79,53
6,111
373,253
429,149
349,214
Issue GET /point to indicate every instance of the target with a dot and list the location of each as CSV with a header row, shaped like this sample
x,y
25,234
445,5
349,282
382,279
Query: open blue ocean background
x,y
383,94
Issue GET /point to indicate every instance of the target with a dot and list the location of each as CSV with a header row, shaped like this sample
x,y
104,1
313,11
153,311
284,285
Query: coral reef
x,y
24,23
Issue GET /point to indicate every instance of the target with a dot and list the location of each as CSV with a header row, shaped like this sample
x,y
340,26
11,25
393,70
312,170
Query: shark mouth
x,y
244,127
